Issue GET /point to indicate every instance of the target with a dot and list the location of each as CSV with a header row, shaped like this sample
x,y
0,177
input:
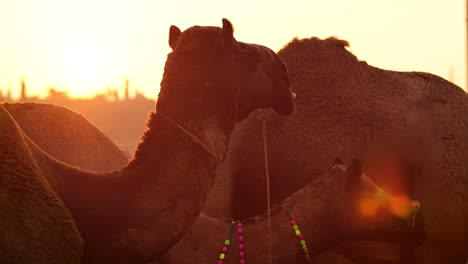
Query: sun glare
x,y
83,64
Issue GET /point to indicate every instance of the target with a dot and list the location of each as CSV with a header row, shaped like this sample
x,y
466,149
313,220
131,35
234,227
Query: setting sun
x,y
83,47
83,64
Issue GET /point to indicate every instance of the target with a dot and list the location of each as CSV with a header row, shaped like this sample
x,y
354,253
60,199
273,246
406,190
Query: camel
x,y
52,128
347,108
35,226
326,212
135,214
34,119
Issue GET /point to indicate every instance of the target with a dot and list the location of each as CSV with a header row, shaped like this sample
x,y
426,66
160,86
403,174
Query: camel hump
x,y
334,41
9,128
41,122
41,238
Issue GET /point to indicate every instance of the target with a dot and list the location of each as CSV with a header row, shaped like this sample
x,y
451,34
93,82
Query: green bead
x,y
295,227
227,242
303,242
222,256
297,232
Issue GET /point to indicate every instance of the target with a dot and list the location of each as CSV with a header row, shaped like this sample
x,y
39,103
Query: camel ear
x,y
228,34
174,34
353,180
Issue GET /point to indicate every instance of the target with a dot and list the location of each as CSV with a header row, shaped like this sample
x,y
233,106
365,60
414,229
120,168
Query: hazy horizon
x,y
85,46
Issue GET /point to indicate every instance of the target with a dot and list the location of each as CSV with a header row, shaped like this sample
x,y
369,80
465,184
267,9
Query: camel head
x,y
363,211
265,81
209,70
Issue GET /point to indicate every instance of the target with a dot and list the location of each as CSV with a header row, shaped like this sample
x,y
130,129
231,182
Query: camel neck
x,y
210,119
194,138
151,202
203,134
306,207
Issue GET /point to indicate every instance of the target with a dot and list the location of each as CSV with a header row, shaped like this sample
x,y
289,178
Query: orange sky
x,y
84,46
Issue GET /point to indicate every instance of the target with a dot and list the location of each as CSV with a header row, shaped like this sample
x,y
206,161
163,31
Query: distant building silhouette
x,y
110,95
127,86
121,119
139,96
23,90
55,95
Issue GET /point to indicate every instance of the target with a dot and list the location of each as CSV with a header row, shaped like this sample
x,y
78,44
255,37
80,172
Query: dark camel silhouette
x,y
135,214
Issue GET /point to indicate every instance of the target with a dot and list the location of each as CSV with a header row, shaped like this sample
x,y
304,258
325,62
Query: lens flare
x,y
400,206
368,207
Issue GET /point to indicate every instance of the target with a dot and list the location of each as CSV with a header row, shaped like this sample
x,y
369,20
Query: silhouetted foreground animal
x,y
210,81
326,211
67,136
347,108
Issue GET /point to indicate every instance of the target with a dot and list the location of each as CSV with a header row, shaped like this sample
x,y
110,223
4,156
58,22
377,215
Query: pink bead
x,y
293,222
241,238
225,249
220,262
241,246
242,261
239,230
239,224
241,254
300,237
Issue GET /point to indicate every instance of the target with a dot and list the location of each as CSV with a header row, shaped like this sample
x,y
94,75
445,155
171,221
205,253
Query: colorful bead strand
x,y
226,245
240,237
300,237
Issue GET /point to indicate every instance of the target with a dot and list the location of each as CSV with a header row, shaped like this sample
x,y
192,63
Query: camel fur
x,y
135,214
35,226
325,212
67,136
348,108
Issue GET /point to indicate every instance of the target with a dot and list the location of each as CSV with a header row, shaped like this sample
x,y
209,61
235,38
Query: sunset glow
x,y
400,206
83,64
85,46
